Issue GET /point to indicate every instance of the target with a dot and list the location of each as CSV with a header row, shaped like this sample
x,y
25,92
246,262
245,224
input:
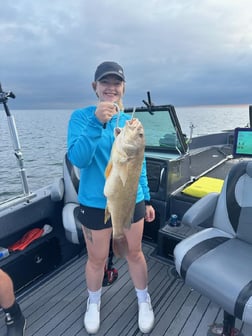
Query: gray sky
x,y
185,52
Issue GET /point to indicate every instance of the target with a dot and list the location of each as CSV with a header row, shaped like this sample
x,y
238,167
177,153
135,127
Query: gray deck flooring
x,y
56,307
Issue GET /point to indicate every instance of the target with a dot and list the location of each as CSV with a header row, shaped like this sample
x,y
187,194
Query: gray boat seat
x,y
57,190
71,206
217,261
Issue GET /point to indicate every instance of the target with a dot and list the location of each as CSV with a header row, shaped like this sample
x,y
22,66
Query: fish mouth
x,y
120,246
135,123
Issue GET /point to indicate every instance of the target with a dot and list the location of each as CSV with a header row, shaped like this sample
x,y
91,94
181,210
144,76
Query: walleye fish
x,y
122,178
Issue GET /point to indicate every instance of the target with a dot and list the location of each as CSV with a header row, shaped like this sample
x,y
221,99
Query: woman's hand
x,y
105,111
149,213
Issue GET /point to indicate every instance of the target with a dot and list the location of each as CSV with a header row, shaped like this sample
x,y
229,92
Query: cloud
x,y
184,52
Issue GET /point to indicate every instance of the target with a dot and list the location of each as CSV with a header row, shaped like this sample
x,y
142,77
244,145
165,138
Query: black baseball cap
x,y
109,68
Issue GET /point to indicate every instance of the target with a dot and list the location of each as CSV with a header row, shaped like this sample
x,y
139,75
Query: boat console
x,y
242,147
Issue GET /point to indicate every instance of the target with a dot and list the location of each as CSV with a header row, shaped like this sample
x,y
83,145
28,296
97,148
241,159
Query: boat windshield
x,y
162,129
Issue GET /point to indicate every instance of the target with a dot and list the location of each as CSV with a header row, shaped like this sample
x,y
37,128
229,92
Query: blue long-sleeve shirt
x,y
89,146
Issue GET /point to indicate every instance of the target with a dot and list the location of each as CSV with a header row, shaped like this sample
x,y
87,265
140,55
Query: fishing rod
x,y
4,96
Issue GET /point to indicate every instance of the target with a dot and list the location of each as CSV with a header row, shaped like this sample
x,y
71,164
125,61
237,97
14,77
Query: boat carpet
x,y
204,160
56,306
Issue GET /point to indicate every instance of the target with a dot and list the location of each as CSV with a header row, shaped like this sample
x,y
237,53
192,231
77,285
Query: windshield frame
x,y
172,117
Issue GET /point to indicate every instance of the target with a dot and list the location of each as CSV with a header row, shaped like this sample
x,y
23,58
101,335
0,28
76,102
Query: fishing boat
x,y
43,251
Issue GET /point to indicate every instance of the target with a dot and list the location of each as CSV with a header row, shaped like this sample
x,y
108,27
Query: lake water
x,y
42,135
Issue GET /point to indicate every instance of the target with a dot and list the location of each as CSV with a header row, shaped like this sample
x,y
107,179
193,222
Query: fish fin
x,y
108,169
107,215
120,246
117,131
123,173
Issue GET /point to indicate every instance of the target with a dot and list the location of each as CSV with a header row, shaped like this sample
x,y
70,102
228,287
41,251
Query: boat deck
x,y
56,305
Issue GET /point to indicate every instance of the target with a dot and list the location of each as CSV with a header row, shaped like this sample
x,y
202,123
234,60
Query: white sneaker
x,y
145,316
92,317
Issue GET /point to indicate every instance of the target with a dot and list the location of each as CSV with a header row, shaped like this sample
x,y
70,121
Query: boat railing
x,y
4,96
20,199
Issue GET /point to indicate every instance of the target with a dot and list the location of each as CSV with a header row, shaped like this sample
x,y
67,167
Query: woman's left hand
x,y
149,213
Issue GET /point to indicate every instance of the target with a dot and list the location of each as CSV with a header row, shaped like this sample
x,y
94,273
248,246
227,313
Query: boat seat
x,y
71,224
216,262
57,190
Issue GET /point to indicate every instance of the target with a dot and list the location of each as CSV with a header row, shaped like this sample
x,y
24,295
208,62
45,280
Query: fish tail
x,y
120,246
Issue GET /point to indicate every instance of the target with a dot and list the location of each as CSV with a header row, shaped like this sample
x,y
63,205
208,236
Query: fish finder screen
x,y
242,142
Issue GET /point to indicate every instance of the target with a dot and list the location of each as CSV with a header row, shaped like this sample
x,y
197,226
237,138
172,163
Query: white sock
x,y
142,295
94,297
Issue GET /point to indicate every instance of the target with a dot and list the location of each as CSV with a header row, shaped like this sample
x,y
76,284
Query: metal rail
x,y
15,140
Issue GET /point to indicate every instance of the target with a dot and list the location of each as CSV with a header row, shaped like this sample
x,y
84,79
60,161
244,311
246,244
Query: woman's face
x,y
110,88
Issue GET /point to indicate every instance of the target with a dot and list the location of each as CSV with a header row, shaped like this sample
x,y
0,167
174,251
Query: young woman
x,y
90,139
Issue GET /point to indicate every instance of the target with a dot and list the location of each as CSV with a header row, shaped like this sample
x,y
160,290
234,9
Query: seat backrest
x,y
234,208
71,223
71,175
